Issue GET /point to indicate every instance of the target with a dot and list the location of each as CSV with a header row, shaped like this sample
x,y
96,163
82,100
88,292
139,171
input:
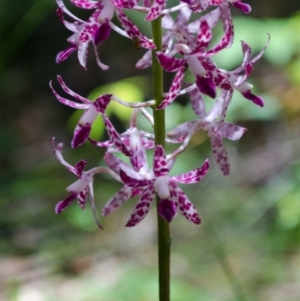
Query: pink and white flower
x,y
213,123
201,5
196,56
91,111
172,198
97,28
236,79
82,189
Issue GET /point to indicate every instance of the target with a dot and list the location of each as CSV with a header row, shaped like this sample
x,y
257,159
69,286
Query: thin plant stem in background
x,y
221,256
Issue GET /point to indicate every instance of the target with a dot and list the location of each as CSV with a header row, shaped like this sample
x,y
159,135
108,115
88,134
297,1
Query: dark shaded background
x,y
249,241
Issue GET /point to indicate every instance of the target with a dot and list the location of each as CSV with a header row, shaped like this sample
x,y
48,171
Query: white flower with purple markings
x,y
97,28
172,198
82,189
91,111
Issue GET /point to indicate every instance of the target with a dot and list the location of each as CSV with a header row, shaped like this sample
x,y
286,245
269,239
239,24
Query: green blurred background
x,y
248,246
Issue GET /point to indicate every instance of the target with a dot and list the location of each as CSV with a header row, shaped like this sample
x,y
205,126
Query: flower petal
x,y
185,206
227,96
106,144
117,200
193,176
231,131
217,108
62,205
167,21
68,102
246,52
244,7
90,28
156,9
82,54
142,207
211,18
79,167
134,32
63,55
204,36
114,136
82,196
71,92
134,182
116,164
181,130
125,3
81,134
101,103
102,33
58,153
206,86
174,89
160,163
258,100
92,200
197,103
228,36
62,8
219,152
86,4
259,55
167,209
138,157
169,63
145,61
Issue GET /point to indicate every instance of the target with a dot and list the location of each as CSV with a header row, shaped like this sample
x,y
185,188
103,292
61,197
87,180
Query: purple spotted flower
x,y
92,109
172,198
201,5
156,9
211,122
146,140
97,28
192,47
192,60
138,169
168,38
236,79
196,56
82,189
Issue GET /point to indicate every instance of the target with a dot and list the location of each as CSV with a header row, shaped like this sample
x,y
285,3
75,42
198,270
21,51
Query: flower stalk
x,y
163,235
179,44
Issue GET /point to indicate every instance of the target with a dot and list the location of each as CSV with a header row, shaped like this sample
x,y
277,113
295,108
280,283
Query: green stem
x,y
225,265
164,240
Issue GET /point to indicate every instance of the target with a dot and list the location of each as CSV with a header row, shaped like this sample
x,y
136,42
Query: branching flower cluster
x,y
186,47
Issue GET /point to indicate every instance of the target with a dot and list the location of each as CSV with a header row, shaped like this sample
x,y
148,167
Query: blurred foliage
x,y
249,241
